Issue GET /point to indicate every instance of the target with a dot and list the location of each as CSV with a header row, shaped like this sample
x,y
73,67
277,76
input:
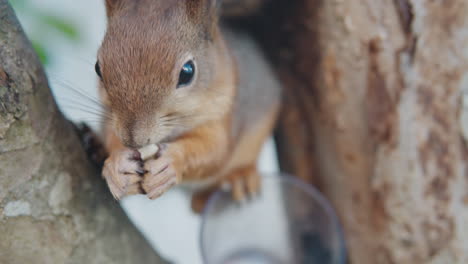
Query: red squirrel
x,y
170,74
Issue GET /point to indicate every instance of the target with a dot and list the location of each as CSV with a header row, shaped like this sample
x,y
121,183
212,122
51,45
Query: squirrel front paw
x,y
161,174
123,172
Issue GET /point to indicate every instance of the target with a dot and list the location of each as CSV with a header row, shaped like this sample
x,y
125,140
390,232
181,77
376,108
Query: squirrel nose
x,y
132,144
132,139
129,140
133,134
128,137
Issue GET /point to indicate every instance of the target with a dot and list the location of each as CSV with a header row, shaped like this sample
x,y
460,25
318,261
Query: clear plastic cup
x,y
289,222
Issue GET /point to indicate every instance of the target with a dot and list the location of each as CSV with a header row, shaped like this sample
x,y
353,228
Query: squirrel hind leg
x,y
244,182
200,199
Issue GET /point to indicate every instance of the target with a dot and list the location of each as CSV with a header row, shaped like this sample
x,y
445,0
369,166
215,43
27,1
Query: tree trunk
x,y
54,206
373,104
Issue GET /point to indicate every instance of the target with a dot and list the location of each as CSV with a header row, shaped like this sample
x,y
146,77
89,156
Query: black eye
x,y
186,74
97,68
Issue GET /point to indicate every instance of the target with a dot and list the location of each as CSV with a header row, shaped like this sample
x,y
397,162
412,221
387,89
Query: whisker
x,y
80,95
167,115
89,112
87,61
185,116
97,122
177,117
93,107
92,123
77,91
72,102
174,125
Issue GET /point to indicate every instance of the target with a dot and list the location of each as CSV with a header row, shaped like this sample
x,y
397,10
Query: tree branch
x,y
54,206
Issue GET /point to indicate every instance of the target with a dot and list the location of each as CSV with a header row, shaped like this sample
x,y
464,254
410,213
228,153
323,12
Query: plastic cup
x,y
289,222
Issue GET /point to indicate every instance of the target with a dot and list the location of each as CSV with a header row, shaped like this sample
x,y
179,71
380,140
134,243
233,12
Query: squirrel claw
x,y
244,182
123,173
160,176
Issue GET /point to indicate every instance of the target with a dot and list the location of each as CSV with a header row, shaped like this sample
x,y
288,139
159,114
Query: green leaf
x,y
65,27
41,52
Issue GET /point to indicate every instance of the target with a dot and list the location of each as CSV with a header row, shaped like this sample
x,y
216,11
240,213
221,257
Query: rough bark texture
x,y
54,206
372,116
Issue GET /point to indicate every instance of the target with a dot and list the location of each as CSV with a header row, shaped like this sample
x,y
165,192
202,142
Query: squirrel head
x,y
158,68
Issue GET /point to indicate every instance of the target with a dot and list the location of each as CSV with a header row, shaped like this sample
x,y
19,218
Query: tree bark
x,y
372,116
54,206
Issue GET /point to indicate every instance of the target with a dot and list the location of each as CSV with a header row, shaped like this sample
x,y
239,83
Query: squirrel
x,y
171,75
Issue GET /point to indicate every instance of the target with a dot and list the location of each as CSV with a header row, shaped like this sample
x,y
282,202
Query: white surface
x,y
168,222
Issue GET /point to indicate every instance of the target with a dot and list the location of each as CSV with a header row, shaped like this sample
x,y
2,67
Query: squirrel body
x,y
171,75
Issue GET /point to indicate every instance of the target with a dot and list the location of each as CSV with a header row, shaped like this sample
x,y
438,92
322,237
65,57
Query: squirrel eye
x,y
97,68
186,74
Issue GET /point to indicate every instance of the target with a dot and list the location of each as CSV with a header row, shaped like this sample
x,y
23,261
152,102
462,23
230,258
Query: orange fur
x,y
215,127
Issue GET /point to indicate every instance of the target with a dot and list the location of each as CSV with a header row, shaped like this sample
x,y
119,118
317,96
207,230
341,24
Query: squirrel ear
x,y
111,6
213,7
214,3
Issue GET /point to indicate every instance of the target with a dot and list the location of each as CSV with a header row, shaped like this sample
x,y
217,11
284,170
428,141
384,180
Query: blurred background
x,y
66,34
